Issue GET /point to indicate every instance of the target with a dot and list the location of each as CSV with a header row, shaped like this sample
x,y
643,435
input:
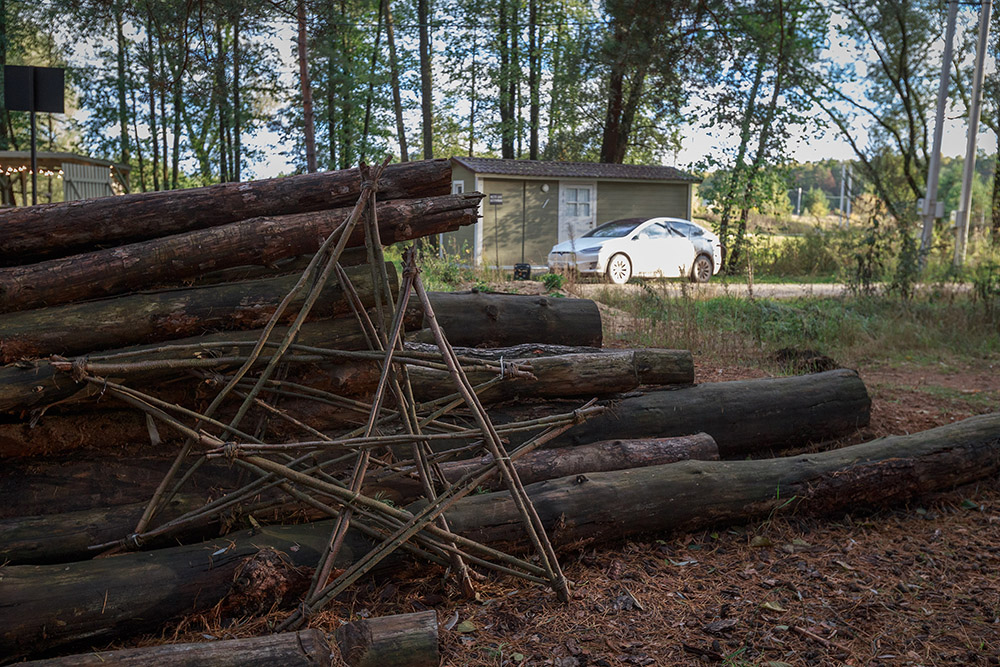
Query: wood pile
x,y
180,366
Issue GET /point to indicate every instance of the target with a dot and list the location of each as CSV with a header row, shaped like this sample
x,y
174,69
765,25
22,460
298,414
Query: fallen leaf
x,y
772,606
466,626
761,541
721,626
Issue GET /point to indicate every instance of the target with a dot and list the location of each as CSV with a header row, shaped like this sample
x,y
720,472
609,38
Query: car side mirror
x,y
635,238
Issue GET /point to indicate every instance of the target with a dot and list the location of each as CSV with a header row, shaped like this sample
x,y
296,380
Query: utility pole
x,y
843,179
850,196
975,109
934,168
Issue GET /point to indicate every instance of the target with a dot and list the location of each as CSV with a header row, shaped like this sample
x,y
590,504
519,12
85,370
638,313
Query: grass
x,y
850,329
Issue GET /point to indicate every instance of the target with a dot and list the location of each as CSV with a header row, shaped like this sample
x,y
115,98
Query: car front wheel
x,y
701,271
619,269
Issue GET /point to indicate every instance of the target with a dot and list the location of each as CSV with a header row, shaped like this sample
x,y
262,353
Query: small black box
x,y
522,272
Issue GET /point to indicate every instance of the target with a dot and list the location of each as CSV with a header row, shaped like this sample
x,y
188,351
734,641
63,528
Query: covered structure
x,y
82,177
538,204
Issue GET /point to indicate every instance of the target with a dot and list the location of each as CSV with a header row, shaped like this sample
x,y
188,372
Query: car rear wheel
x,y
702,268
619,269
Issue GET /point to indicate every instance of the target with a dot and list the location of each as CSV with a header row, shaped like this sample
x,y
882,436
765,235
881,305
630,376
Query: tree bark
x,y
48,606
477,319
309,134
305,648
563,376
546,464
65,228
174,259
744,417
426,89
82,328
397,103
403,640
62,536
28,385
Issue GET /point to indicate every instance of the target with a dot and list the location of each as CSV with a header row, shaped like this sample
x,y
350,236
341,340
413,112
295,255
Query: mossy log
x,y
66,228
46,606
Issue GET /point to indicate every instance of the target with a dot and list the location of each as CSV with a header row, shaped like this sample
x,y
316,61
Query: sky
x,y
697,143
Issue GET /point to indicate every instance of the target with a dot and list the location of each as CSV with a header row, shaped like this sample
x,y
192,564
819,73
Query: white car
x,y
647,247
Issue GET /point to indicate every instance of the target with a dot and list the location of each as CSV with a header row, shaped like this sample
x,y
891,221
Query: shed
x,y
83,177
542,203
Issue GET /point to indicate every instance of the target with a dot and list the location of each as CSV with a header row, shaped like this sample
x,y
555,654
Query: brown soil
x,y
910,585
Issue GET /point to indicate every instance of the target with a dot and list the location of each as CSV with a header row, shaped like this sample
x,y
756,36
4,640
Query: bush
x,y
552,281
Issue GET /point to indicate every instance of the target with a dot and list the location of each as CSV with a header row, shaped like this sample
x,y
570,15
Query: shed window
x,y
578,202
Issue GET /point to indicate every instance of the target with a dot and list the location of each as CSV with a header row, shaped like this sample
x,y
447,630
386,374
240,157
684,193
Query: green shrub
x,y
552,281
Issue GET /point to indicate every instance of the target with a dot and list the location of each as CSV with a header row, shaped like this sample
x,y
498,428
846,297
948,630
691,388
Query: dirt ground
x,y
908,585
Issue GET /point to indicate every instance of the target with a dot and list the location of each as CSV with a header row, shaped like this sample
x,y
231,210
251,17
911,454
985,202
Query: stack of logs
x,y
101,288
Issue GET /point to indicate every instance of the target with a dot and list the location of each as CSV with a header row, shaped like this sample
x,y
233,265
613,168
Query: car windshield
x,y
615,228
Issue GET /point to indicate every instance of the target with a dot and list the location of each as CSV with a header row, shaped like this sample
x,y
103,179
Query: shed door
x,y
577,210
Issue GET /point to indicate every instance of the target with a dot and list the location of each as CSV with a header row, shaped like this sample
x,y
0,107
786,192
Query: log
x,y
30,384
81,328
561,376
745,416
65,536
86,481
477,319
308,648
66,228
95,601
174,259
402,640
545,464
68,536
46,606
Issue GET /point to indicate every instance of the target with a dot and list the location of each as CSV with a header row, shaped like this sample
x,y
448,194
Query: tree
x,y
895,40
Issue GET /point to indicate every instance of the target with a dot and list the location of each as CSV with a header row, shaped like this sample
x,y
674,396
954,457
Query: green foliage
x,y
850,329
814,253
815,203
986,287
552,281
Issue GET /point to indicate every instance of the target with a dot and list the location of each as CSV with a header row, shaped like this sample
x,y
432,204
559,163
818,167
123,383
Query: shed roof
x,y
596,170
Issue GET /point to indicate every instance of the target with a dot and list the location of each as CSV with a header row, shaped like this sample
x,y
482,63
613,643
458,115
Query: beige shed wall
x,y
523,202
617,200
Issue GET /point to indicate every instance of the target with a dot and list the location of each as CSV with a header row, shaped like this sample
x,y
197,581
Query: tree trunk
x,y
180,257
533,80
65,228
426,90
82,328
49,606
237,115
995,208
477,319
397,103
125,156
308,648
544,464
309,134
744,417
153,137
503,81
